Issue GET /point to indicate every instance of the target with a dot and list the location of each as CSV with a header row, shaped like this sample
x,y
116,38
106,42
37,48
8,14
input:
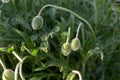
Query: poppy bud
x,y
66,49
8,74
37,22
75,44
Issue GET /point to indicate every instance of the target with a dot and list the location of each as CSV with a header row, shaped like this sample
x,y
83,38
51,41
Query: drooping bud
x,y
66,46
66,49
75,44
8,74
37,22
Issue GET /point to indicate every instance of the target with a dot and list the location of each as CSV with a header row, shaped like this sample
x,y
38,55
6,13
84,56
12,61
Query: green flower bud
x,y
66,49
8,74
37,22
75,44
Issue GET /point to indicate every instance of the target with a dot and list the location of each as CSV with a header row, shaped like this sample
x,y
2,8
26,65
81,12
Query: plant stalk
x,y
16,55
78,30
1,62
78,73
70,11
68,35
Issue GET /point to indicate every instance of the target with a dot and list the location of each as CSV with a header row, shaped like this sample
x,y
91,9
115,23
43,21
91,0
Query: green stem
x,y
4,67
16,71
68,36
16,55
78,73
65,9
20,68
83,69
78,30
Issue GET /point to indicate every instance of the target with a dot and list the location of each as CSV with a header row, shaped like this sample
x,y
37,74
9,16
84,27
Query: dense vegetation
x,y
35,53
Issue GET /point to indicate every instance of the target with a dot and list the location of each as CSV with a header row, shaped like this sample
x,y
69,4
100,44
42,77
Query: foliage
x,y
40,50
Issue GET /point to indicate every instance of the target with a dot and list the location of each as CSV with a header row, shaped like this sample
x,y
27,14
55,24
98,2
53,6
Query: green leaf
x,y
34,52
70,76
29,42
7,49
42,75
45,66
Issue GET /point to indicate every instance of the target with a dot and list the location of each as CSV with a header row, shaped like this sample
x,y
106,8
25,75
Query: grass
x,y
99,58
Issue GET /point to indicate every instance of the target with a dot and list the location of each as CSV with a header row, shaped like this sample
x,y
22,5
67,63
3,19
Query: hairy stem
x,y
1,62
20,68
68,35
78,30
16,55
16,71
78,73
65,9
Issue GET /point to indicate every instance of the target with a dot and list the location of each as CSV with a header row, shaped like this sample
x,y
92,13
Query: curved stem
x,y
15,54
68,35
78,30
16,71
4,67
78,73
65,9
20,68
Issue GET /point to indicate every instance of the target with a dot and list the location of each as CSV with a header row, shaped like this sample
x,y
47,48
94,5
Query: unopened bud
x,y
8,74
37,22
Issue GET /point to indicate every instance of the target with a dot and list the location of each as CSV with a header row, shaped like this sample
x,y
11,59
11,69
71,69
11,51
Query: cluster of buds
x,y
75,43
